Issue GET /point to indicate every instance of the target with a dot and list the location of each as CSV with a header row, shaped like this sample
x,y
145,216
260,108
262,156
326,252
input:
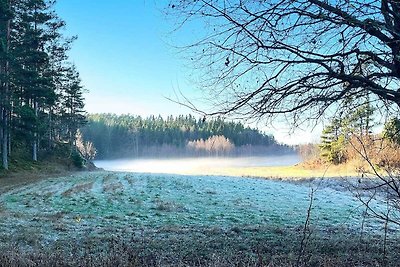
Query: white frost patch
x,y
97,203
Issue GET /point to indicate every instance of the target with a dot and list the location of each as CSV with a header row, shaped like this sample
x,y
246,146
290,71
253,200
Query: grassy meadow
x,y
133,219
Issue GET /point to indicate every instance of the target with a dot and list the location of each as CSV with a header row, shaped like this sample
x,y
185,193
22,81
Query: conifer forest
x,y
116,136
42,105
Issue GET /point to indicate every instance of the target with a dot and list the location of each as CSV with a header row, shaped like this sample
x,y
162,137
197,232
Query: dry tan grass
x,y
78,188
116,253
300,171
365,154
108,178
130,179
112,187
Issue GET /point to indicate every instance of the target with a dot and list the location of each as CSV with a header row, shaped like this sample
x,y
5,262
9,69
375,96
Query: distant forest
x,y
116,136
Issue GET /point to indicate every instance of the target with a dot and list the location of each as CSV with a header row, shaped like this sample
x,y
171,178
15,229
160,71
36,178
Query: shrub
x,y
77,159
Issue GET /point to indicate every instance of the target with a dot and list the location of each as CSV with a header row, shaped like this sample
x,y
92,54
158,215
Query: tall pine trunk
x,y
9,128
4,143
35,104
50,139
6,98
2,106
35,134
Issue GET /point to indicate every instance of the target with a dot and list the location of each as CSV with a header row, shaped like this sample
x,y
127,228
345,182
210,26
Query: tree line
x,y
134,136
343,143
40,89
356,137
357,122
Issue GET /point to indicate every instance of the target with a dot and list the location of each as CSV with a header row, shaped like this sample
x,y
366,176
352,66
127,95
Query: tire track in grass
x,y
102,204
132,200
83,187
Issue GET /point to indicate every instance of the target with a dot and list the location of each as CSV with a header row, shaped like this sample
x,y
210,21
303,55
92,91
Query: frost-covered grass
x,y
183,218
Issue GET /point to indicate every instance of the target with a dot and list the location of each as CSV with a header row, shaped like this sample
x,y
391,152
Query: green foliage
x,y
335,137
41,92
333,142
77,159
391,130
360,120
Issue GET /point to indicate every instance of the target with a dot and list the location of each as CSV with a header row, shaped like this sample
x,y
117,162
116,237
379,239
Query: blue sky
x,y
123,56
127,63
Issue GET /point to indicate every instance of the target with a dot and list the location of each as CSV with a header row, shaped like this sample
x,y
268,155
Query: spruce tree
x,y
6,15
73,113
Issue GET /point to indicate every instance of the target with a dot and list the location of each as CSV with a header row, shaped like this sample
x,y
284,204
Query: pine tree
x,y
73,113
336,136
391,130
35,78
59,68
6,15
333,142
361,119
32,64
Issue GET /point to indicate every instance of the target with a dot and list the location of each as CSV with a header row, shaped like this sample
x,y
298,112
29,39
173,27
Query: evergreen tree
x,y
41,94
6,14
73,113
361,119
128,135
333,142
336,136
34,81
391,130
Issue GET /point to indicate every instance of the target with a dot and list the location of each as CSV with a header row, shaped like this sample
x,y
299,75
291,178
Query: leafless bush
x,y
217,144
86,149
308,151
378,188
374,154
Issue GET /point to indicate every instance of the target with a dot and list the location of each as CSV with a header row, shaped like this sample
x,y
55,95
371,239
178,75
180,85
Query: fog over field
x,y
194,165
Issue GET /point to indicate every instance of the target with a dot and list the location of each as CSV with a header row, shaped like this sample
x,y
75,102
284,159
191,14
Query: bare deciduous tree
x,y
301,59
216,144
297,57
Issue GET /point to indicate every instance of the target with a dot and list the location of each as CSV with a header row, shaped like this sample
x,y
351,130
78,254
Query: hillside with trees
x,y
116,136
41,105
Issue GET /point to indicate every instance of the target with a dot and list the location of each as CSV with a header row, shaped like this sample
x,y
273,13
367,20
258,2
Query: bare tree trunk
x,y
9,132
8,86
4,144
35,135
137,143
50,128
5,107
35,107
2,104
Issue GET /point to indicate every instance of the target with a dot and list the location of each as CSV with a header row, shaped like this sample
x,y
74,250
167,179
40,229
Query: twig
x,y
306,230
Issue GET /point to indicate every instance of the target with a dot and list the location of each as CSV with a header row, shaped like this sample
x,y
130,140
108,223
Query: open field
x,y
282,172
128,219
282,167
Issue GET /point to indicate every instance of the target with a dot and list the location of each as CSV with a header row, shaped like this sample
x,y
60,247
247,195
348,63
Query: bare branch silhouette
x,y
297,58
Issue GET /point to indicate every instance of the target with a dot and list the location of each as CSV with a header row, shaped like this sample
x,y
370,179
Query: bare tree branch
x,y
265,58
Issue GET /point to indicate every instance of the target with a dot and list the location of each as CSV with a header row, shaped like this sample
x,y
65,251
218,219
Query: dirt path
x,y
17,179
